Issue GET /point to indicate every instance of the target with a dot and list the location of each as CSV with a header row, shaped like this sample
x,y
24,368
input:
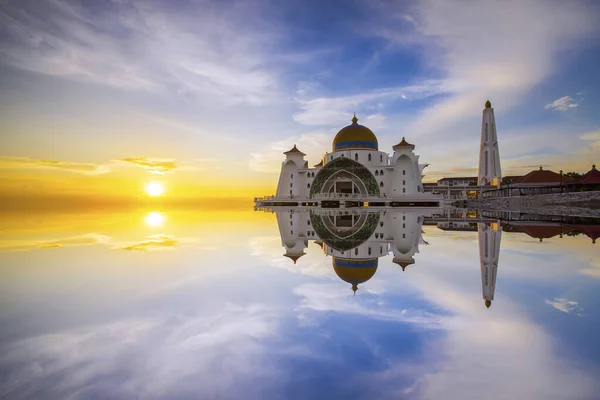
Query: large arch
x,y
354,170
346,239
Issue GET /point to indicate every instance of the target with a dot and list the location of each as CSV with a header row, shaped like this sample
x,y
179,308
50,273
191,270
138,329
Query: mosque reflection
x,y
355,239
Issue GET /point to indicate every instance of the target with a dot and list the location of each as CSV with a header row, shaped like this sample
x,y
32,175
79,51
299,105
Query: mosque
x,y
355,172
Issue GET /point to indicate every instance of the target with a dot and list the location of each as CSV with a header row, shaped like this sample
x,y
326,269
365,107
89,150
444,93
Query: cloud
x,y
563,304
75,167
562,104
153,242
338,297
269,158
183,355
338,111
154,166
81,240
197,50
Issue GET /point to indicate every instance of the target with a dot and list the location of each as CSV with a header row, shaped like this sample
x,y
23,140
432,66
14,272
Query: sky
x,y
98,99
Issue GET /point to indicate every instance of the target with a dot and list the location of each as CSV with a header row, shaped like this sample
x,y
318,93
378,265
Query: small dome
x,y
355,272
355,136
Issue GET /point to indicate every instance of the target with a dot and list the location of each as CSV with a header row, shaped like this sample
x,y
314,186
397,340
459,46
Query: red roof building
x,y
541,177
592,177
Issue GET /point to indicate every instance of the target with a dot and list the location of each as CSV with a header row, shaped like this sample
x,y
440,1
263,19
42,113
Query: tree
x,y
573,174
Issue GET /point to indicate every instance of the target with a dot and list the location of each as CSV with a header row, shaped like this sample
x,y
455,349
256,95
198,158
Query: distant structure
x,y
490,173
489,254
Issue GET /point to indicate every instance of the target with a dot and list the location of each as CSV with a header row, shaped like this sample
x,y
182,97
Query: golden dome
x,y
355,136
355,271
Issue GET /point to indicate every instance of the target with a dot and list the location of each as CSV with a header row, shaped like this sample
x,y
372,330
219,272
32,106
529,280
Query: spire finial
x,y
488,303
354,119
488,104
354,288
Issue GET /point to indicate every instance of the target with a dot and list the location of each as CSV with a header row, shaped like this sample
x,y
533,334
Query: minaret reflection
x,y
489,235
354,239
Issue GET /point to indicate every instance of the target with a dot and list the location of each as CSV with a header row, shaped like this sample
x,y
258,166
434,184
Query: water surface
x,y
161,304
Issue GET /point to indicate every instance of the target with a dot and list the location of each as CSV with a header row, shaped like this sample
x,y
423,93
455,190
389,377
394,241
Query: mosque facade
x,y
354,169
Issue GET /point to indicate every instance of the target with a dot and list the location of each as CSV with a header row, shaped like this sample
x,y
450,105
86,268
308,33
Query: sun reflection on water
x,y
154,219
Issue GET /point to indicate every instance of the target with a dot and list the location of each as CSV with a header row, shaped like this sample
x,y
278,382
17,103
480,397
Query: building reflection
x,y
355,238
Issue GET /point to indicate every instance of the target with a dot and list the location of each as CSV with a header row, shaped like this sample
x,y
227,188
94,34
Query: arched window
x,y
403,190
486,131
380,250
404,236
292,176
404,182
376,173
403,172
381,172
292,232
369,157
381,158
381,224
356,251
291,223
381,184
308,185
369,251
291,184
419,189
330,158
355,156
308,221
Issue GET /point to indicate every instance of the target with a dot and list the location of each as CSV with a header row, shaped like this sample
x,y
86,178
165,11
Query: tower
x,y
489,253
489,155
291,184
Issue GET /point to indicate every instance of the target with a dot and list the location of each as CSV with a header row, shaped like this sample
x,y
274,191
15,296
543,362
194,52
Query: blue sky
x,y
89,82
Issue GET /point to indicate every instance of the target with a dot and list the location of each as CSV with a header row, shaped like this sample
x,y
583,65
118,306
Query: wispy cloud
x,y
76,167
154,166
562,104
337,111
174,353
195,49
152,243
563,304
81,240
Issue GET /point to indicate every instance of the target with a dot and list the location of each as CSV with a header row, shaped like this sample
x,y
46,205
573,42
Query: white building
x,y
355,168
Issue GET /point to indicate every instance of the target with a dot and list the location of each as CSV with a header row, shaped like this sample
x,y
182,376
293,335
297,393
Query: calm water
x,y
160,304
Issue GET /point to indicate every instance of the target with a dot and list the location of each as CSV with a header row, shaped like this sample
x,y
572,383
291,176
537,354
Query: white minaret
x,y
489,254
291,184
489,156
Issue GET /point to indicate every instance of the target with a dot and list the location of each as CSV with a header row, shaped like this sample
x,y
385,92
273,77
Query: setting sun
x,y
155,189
